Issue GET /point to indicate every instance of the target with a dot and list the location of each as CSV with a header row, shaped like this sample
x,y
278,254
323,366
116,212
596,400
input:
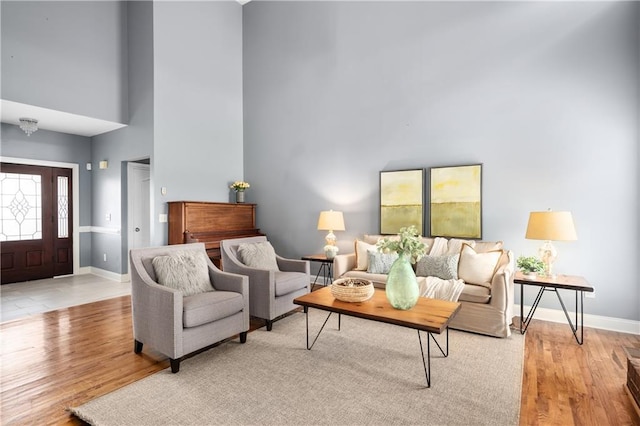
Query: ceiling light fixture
x,y
29,125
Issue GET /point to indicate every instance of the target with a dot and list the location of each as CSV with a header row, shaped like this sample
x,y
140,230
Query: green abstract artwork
x,y
456,201
401,200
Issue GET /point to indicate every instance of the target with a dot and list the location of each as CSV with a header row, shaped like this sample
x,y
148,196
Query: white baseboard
x,y
123,278
595,321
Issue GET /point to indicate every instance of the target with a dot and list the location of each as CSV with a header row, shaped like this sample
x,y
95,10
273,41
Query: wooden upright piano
x,y
209,223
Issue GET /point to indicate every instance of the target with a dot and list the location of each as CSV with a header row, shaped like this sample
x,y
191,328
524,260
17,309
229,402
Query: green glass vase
x,y
402,286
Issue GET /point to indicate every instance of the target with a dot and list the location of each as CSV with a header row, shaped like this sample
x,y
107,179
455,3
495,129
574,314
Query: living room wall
x,y
544,94
65,55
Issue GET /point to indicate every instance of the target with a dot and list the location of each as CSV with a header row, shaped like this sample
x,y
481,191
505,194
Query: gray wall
x,y
544,94
59,147
65,55
131,143
197,149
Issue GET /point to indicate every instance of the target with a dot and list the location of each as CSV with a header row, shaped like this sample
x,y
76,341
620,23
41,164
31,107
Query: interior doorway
x,y
36,222
139,204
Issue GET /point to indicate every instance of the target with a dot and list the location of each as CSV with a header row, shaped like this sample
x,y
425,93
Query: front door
x,y
35,222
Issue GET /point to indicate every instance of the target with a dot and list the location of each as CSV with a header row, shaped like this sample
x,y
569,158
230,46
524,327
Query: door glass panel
x,y
20,207
63,207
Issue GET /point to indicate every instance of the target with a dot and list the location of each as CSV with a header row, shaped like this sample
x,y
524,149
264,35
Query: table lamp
x,y
550,226
330,221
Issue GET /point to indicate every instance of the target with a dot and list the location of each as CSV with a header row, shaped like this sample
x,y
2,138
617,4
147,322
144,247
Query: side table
x,y
326,268
566,282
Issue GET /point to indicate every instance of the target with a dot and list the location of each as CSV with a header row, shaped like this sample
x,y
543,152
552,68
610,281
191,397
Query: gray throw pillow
x,y
258,255
443,267
380,263
186,271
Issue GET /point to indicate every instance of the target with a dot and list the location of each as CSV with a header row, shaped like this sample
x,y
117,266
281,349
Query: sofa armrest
x,y
502,287
343,263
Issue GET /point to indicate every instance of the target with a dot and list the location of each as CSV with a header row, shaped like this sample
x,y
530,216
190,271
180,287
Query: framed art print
x,y
456,201
401,200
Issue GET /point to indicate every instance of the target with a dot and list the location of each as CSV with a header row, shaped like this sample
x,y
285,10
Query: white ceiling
x,y
56,121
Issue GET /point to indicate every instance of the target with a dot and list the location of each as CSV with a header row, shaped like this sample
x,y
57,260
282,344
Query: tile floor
x,y
19,300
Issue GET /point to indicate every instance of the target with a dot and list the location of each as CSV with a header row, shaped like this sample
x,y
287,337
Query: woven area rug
x,y
367,373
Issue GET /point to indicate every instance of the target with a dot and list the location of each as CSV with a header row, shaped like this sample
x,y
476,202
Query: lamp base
x,y
548,254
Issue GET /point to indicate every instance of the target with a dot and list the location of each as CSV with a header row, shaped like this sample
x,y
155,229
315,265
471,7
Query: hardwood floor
x,y
67,357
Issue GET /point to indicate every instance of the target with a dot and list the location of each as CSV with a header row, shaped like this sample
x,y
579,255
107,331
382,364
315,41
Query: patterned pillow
x,y
259,255
443,267
380,263
186,271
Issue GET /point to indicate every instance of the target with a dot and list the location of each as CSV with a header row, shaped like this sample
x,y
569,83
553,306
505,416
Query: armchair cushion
x,y
287,282
207,307
186,271
259,255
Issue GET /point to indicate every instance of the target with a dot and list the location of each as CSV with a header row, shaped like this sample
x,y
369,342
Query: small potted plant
x,y
240,186
530,265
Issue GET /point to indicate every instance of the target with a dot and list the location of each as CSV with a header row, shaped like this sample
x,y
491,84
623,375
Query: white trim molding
x,y
594,321
105,230
114,276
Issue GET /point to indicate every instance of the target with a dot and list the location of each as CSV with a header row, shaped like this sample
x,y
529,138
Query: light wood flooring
x,y
66,357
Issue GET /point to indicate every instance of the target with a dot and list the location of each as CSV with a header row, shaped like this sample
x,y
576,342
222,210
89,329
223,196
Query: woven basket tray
x,y
341,290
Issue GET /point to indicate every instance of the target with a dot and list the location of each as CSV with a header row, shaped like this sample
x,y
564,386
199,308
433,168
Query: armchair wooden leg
x,y
175,365
243,337
137,346
269,325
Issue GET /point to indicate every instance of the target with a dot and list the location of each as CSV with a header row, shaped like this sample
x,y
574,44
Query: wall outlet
x,y
105,257
108,217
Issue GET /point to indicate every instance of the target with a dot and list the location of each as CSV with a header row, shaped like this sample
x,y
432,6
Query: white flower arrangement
x,y
239,185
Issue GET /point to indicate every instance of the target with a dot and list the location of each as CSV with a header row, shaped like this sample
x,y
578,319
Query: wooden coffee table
x,y
429,315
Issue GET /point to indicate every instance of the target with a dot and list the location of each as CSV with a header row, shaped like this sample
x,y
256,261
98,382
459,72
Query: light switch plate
x,y
162,218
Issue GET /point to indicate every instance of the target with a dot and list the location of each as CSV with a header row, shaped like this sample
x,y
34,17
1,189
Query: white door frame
x,y
75,197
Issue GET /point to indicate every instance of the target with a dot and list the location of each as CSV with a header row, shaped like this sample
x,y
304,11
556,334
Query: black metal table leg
x,y
427,364
321,328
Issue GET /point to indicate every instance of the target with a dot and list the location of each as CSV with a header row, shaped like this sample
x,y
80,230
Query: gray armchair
x,y
175,325
271,292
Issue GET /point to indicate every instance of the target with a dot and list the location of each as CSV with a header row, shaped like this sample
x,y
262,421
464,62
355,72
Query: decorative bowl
x,y
352,289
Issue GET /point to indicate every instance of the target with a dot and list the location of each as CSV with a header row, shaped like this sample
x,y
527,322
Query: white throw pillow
x,y
455,245
477,268
362,256
186,271
259,255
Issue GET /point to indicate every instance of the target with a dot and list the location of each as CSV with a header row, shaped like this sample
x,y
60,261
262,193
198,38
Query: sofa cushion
x,y
362,256
288,282
443,267
477,268
475,294
186,271
380,263
260,255
211,306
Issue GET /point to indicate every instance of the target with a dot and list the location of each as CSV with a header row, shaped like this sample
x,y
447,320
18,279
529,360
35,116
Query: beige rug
x,y
367,373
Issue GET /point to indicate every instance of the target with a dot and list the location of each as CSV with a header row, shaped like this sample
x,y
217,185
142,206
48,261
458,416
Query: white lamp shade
x,y
331,221
552,226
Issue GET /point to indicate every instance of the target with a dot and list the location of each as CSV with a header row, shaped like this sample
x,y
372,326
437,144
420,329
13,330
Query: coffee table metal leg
x,y
321,328
427,363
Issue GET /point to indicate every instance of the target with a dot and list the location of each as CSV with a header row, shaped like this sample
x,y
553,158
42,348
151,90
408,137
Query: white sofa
x,y
487,308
